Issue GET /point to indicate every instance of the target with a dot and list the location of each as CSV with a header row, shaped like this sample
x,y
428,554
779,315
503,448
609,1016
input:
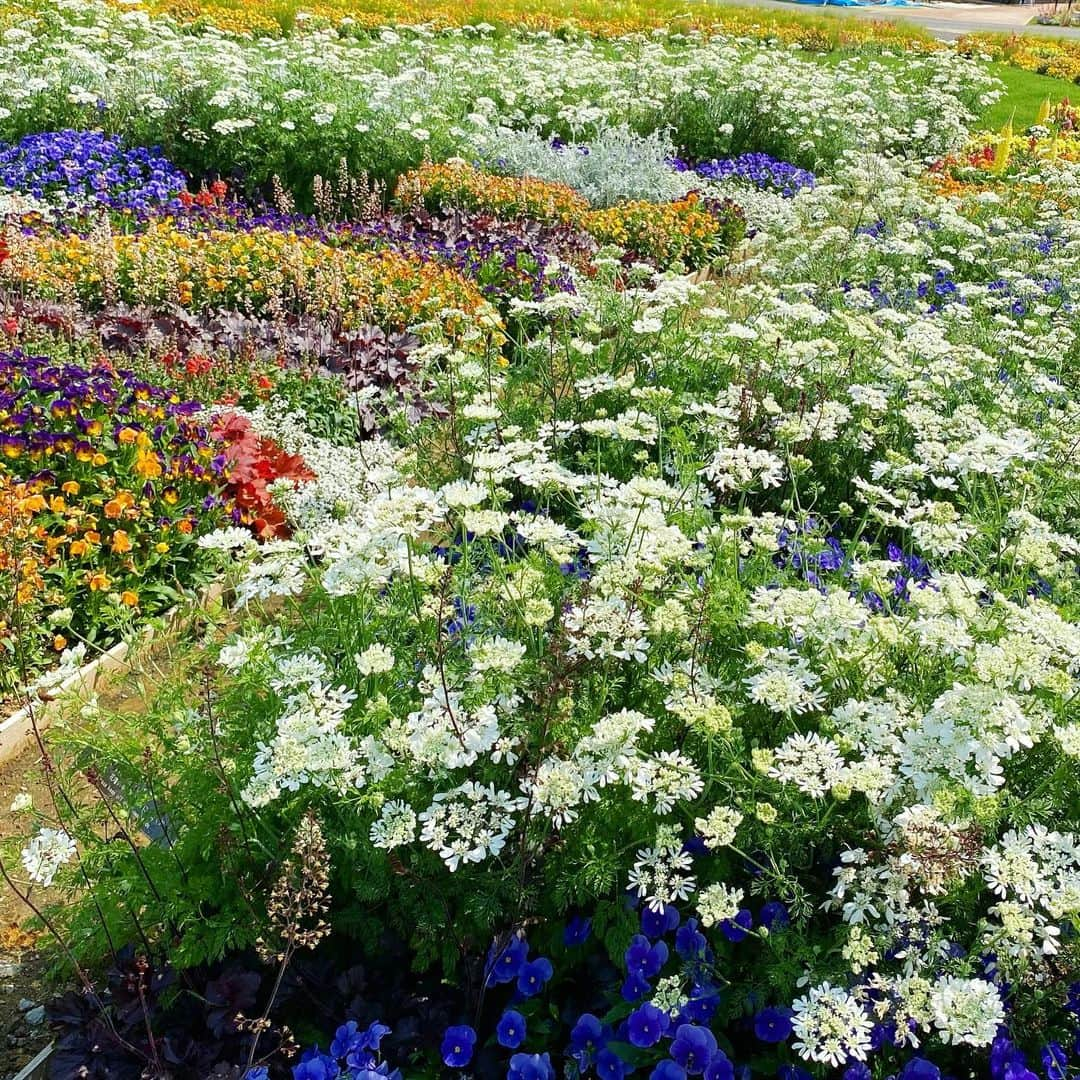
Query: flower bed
x,y
659,674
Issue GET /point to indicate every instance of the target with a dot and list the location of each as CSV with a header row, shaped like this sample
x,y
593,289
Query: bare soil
x,y
23,964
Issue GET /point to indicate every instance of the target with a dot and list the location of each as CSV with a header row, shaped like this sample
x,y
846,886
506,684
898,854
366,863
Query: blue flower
x,y
348,1039
773,915
530,1067
260,1072
609,1066
587,1038
510,1030
668,1070
344,1038
655,924
533,975
720,1068
377,1072
772,1024
920,1069
504,964
693,1048
457,1046
859,1071
577,931
635,987
1055,1061
736,929
703,1002
645,959
315,1065
647,1025
690,942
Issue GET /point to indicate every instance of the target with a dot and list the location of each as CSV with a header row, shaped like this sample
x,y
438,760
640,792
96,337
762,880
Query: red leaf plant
x,y
253,464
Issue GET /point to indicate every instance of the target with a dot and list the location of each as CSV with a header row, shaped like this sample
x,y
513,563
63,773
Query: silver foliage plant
x,y
618,165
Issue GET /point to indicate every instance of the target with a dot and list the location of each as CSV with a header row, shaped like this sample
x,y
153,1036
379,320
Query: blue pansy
x,y
588,1036
693,1048
457,1046
510,1030
920,1069
533,976
774,915
647,1024
858,1071
657,923
635,987
645,959
315,1065
690,942
504,963
609,1066
668,1070
1055,1061
703,1002
773,1024
577,931
792,1072
1004,1055
530,1067
720,1067
344,1038
260,1072
736,929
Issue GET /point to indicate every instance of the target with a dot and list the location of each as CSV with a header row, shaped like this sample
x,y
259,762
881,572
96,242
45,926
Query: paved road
x,y
946,20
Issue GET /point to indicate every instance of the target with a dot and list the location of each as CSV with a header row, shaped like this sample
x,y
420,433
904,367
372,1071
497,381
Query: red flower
x,y
253,463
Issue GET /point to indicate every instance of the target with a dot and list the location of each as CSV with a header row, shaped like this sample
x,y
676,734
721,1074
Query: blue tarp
x,y
860,3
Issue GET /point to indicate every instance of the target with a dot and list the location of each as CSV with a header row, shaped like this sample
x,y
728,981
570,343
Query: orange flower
x,y
59,643
99,582
184,526
115,507
78,547
129,598
126,435
121,542
148,466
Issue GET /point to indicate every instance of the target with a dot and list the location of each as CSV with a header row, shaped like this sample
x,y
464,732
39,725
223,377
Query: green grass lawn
x,y
1025,92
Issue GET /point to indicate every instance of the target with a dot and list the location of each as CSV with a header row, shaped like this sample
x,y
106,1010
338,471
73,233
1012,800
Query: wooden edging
x,y
38,1068
16,731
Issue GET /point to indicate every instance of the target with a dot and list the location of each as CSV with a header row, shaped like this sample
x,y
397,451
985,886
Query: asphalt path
x,y
945,20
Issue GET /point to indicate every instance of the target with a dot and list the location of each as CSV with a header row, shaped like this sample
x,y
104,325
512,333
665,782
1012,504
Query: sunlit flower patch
x,y
79,171
253,271
692,230
120,478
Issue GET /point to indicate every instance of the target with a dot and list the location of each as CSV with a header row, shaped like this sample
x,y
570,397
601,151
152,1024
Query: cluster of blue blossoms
x,y
658,1040
78,170
758,170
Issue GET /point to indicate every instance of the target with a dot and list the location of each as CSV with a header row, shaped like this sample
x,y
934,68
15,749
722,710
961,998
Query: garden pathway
x,y
946,20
